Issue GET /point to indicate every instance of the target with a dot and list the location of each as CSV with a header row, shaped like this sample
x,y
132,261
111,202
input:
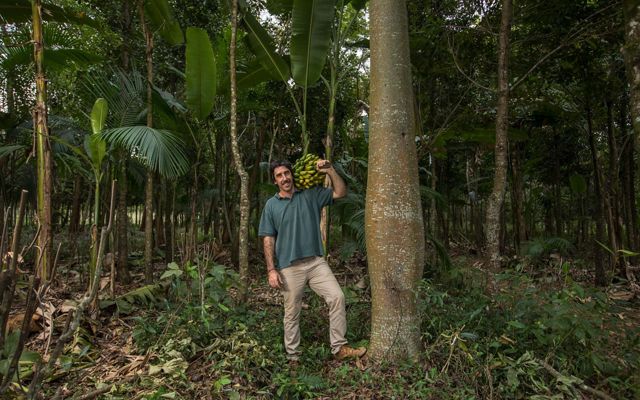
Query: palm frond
x,y
125,93
160,150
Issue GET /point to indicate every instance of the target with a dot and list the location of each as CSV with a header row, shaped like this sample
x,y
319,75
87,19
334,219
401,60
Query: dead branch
x,y
8,282
581,385
108,387
32,303
73,323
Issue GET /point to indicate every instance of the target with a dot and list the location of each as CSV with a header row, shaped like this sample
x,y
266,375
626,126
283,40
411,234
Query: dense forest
x,y
488,246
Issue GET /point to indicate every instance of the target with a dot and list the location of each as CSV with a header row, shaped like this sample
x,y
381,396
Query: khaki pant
x,y
316,271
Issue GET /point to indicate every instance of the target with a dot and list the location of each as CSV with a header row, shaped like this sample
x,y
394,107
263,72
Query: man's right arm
x,y
269,243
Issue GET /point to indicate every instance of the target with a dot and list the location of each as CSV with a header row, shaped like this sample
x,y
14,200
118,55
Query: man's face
x,y
283,179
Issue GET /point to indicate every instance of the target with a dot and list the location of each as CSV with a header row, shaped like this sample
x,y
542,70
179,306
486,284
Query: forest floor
x,y
530,330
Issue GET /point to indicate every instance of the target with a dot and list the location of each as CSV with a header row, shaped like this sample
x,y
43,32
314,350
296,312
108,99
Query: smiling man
x,y
290,227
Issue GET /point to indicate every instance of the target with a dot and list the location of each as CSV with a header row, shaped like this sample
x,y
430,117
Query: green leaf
x,y
99,115
11,343
171,273
358,4
311,36
162,20
200,73
253,75
95,144
279,7
17,11
160,150
262,46
6,150
96,148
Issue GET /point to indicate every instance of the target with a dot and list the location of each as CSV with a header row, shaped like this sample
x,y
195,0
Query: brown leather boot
x,y
350,352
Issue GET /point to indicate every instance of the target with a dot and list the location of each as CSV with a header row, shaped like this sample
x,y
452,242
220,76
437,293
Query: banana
x,y
305,172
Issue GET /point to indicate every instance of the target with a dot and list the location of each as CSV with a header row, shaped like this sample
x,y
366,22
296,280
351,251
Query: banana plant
x,y
314,37
96,148
311,36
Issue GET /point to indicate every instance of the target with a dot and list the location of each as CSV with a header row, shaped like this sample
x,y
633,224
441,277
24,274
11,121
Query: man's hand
x,y
323,165
339,187
275,281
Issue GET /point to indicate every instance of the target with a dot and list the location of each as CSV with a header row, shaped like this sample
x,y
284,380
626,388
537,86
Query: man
x,y
290,227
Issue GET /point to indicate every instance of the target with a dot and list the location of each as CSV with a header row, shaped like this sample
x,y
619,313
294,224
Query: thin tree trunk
x,y
517,191
76,203
43,149
393,214
243,231
148,193
631,53
192,237
612,197
496,199
168,221
599,264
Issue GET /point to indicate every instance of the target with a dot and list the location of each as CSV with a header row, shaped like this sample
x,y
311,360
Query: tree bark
x,y
393,213
517,190
631,52
243,230
43,149
599,264
148,193
496,199
628,167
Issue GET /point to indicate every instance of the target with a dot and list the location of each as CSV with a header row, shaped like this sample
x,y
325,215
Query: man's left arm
x,y
339,186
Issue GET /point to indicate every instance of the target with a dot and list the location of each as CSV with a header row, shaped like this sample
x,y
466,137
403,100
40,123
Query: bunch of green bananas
x,y
305,173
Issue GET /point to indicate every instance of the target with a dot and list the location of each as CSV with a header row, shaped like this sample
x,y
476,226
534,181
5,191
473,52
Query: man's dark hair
x,y
279,163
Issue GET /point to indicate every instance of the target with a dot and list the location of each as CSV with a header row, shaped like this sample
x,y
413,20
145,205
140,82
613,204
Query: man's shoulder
x,y
270,202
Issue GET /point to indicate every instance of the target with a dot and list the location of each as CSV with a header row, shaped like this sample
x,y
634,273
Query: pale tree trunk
x,y
43,149
243,231
496,199
632,57
148,192
393,215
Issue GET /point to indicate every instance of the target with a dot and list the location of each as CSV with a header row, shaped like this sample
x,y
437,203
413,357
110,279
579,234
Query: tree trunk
x,y
393,213
168,221
631,52
148,192
43,149
496,199
599,264
517,190
243,231
613,189
76,202
628,167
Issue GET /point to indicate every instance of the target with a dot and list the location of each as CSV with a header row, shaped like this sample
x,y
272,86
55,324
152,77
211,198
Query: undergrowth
x,y
478,344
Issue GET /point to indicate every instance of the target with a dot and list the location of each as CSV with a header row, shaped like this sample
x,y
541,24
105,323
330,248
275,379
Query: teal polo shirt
x,y
295,223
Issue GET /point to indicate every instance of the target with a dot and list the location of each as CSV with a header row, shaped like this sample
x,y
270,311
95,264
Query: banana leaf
x,y
162,20
200,73
262,46
312,22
